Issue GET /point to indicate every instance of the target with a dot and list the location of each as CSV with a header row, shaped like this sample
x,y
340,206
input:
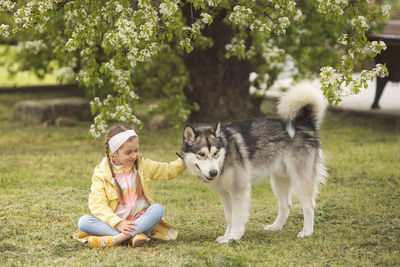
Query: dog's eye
x,y
201,154
215,154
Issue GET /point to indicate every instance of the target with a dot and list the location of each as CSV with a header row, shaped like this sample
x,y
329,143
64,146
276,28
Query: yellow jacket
x,y
103,198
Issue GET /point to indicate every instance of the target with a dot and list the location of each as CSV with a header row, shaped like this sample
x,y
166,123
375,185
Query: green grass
x,y
45,177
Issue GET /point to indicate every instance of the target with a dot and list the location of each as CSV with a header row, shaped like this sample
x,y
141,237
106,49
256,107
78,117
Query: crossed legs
x,y
145,224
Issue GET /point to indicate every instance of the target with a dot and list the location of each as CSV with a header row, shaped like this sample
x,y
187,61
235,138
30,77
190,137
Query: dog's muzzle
x,y
212,174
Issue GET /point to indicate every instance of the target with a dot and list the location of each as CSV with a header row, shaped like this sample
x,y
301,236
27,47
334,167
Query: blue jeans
x,y
145,223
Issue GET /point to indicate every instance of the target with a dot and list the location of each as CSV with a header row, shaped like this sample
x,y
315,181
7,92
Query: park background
x,y
45,177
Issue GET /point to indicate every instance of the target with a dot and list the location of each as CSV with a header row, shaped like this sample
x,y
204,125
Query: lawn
x,y
45,177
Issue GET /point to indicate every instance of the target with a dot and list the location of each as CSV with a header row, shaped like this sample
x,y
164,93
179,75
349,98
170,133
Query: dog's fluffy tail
x,y
304,106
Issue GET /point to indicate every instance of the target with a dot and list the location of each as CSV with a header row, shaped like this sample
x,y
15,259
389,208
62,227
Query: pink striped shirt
x,y
134,207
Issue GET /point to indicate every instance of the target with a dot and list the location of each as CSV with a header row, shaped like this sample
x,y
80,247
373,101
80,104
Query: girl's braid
x,y
120,198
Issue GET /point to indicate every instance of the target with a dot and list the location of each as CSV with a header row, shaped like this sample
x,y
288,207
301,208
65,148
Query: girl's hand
x,y
125,227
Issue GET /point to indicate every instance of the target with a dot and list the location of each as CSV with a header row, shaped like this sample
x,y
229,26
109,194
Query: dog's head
x,y
204,151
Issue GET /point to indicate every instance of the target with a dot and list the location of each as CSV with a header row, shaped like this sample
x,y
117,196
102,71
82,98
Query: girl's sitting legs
x,y
148,220
145,223
92,226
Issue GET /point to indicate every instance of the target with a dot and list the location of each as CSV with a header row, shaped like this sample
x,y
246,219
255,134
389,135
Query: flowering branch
x,y
102,47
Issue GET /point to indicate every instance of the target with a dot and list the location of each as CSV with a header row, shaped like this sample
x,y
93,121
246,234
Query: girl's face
x,y
127,153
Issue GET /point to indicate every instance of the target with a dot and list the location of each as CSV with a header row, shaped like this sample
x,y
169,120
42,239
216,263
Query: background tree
x,y
107,45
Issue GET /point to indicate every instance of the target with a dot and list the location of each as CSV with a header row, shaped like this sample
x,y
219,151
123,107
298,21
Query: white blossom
x,y
376,47
45,6
4,30
83,76
135,120
386,10
252,76
23,18
331,7
259,26
343,39
236,46
71,45
168,8
206,18
93,131
298,15
99,127
7,5
132,94
271,53
240,15
34,47
380,70
185,43
330,77
282,25
118,7
213,3
361,22
65,72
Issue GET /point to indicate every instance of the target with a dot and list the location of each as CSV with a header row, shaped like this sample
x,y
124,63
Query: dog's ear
x,y
217,130
188,135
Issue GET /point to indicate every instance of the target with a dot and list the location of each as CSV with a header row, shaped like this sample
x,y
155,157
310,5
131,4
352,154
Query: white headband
x,y
117,140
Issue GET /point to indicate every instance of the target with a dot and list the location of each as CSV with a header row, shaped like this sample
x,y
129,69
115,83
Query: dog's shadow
x,y
253,235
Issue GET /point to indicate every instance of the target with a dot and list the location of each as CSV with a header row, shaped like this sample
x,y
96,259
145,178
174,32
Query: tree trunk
x,y
218,85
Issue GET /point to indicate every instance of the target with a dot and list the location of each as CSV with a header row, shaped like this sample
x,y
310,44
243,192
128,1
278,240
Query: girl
x,y
121,198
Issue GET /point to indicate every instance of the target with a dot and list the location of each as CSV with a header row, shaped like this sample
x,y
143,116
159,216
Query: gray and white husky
x,y
228,158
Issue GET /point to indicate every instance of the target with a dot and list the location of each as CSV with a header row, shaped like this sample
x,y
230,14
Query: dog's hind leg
x,y
281,185
304,189
227,204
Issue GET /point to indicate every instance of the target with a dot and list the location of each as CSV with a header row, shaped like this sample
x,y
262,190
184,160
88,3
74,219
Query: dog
x,y
228,158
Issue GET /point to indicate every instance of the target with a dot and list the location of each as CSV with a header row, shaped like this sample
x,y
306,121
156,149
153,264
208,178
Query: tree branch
x,y
62,4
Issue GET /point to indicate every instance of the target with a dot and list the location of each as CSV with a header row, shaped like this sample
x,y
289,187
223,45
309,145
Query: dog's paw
x,y
222,239
303,234
273,227
236,235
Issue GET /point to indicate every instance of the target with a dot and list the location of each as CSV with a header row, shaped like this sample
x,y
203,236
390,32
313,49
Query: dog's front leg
x,y
227,204
241,200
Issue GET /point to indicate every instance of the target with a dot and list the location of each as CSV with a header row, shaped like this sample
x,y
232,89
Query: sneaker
x,y
101,241
139,240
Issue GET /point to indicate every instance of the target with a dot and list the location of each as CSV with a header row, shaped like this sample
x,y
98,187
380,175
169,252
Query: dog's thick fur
x,y
229,158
